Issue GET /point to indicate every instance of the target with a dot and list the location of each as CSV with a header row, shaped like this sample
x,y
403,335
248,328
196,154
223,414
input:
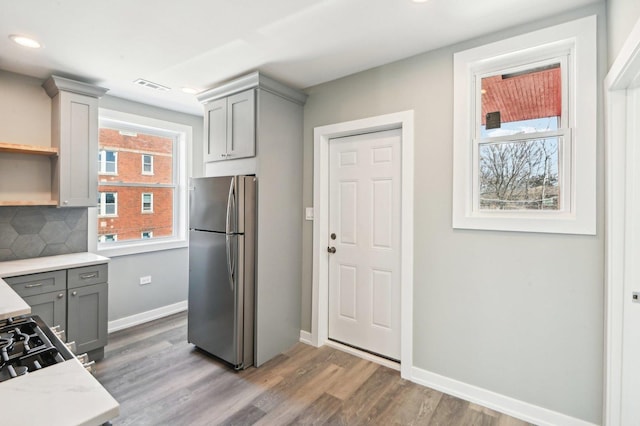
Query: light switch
x,y
308,213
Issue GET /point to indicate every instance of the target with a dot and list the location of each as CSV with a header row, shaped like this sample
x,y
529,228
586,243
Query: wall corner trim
x,y
495,401
306,338
142,317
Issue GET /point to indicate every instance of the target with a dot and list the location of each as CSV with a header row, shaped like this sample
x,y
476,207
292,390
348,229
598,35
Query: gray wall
x,y
169,269
622,15
516,313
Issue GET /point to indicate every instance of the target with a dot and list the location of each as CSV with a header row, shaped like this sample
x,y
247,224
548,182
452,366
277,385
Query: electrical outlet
x,y
145,280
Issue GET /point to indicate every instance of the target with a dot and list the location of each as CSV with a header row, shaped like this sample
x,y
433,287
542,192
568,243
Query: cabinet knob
x,y
60,295
73,293
65,202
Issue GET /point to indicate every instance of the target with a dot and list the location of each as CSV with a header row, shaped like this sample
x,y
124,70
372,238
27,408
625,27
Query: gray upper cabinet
x,y
74,131
230,127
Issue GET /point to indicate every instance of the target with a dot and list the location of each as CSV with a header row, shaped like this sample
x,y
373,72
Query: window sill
x,y
142,247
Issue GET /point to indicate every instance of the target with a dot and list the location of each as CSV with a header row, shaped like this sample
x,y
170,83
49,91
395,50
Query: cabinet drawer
x,y
79,277
45,282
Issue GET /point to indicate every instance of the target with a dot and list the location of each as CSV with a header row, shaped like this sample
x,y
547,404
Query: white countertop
x,y
12,268
63,394
11,305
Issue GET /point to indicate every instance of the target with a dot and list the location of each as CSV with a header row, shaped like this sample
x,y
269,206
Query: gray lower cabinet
x,y
75,299
87,317
51,307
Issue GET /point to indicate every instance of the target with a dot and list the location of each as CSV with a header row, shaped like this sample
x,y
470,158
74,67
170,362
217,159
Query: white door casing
x,y
622,368
364,218
320,293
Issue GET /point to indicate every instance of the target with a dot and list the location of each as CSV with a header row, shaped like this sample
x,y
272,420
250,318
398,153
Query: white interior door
x,y
364,227
630,413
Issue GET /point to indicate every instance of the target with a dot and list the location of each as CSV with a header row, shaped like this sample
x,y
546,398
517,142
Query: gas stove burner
x,y
5,343
28,345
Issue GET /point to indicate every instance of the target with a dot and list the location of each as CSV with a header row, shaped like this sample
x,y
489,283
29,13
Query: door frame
x,y
320,291
619,140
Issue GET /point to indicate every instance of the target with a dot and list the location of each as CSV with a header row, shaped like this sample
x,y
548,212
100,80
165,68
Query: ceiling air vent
x,y
151,85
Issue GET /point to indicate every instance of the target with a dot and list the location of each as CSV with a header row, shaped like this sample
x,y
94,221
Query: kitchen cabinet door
x,y
241,125
87,317
215,147
74,121
51,307
230,127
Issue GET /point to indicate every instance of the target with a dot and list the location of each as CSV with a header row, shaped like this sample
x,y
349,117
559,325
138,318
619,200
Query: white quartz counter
x,y
62,394
13,268
11,305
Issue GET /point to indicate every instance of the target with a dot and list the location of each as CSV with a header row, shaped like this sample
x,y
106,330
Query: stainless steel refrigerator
x,y
222,221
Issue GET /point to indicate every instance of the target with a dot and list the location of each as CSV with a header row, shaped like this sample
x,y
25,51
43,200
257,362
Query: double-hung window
x,y
107,204
525,132
108,162
152,174
147,164
147,202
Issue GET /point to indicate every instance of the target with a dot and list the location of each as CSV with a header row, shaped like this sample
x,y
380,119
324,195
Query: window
x,y
519,137
524,135
147,164
107,162
107,238
107,203
147,202
164,147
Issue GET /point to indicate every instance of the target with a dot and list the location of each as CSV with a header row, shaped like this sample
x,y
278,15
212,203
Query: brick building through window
x,y
136,185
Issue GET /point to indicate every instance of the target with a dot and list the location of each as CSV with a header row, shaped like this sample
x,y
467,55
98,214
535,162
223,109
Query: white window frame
x,y
142,209
150,163
183,135
102,162
102,204
578,169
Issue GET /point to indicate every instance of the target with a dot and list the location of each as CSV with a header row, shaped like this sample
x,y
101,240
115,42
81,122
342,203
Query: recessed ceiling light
x,y
419,1
25,41
189,90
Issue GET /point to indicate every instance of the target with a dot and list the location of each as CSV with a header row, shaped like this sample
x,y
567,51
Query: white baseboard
x,y
495,401
364,355
147,316
305,337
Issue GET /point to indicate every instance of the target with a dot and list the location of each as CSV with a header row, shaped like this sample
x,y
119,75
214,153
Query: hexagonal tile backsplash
x,y
27,232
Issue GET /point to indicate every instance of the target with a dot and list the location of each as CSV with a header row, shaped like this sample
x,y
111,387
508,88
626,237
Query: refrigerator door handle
x,y
231,262
231,208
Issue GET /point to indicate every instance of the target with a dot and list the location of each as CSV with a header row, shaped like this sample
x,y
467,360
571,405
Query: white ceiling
x,y
199,43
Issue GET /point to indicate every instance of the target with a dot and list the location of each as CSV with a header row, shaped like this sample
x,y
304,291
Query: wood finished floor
x,y
160,379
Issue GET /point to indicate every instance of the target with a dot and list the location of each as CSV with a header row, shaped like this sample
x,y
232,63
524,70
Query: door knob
x,y
331,250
